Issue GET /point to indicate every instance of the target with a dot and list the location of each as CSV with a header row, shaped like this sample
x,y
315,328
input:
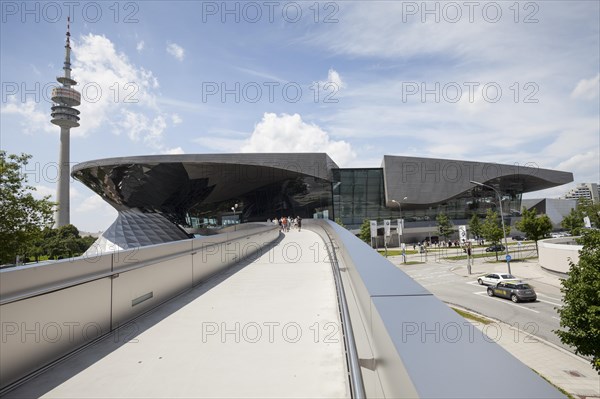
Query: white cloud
x,y
176,51
42,191
139,127
93,214
333,77
32,119
289,133
174,151
587,89
111,83
140,46
176,119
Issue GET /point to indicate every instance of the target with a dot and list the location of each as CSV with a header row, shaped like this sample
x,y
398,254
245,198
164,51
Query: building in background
x,y
555,208
165,197
585,190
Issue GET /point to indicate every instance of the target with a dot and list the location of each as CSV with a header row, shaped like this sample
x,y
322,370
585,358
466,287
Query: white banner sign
x,y
400,226
387,227
462,233
373,228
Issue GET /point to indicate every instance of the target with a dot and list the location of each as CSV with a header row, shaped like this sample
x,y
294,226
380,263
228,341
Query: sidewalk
x,y
564,369
527,270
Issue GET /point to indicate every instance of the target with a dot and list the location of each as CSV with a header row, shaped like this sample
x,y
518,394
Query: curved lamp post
x,y
501,218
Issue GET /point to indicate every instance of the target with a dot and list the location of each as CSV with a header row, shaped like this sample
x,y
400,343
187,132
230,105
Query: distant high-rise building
x,y
64,115
585,190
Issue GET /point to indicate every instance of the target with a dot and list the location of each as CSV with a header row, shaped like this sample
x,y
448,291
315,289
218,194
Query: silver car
x,y
495,278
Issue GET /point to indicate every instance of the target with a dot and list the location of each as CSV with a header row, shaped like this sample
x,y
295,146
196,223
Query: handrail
x,y
113,273
357,387
94,277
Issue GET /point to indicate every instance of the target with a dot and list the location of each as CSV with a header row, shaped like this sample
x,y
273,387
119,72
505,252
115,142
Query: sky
x,y
507,82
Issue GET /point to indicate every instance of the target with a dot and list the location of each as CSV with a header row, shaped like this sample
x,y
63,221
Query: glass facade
x,y
359,194
302,196
203,194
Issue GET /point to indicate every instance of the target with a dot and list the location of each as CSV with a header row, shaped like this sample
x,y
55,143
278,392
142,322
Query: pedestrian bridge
x,y
248,313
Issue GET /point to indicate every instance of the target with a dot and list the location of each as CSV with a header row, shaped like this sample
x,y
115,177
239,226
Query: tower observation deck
x,y
64,115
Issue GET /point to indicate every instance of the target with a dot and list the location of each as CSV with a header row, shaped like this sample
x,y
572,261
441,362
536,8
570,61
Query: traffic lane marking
x,y
474,283
551,303
428,277
551,297
506,301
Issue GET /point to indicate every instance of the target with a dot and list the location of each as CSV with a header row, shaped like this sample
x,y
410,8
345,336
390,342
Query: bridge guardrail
x,y
51,309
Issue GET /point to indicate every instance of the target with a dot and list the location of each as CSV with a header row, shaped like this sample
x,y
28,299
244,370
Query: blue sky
x,y
507,82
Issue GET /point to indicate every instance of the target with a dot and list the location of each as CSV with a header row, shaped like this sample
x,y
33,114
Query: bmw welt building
x,y
166,197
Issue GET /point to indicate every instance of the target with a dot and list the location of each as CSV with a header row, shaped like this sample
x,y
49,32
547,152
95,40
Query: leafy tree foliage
x,y
573,222
591,210
491,228
534,226
64,242
475,226
445,226
22,217
580,315
365,231
339,221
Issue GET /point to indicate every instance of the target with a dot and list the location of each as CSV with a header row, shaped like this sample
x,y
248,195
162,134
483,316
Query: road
x,y
538,318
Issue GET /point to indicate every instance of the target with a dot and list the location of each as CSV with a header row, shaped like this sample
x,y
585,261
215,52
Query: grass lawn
x,y
471,316
395,252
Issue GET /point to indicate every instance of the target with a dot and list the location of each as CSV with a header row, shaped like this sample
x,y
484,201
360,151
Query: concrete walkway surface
x,y
262,329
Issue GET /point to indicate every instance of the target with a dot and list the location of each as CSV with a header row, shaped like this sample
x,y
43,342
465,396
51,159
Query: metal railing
x,y
357,388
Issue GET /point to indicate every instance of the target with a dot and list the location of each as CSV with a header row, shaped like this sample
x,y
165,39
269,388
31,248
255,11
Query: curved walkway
x,y
265,328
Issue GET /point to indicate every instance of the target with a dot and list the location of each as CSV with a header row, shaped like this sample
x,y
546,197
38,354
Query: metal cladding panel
x,y
42,276
430,180
445,355
313,164
41,329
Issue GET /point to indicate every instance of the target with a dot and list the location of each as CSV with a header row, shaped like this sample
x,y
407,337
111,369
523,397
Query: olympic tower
x,y
64,115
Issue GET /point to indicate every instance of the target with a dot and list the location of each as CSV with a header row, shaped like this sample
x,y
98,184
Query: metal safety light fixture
x,y
501,218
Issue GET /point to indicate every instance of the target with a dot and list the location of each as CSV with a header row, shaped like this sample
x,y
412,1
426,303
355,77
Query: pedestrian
x,y
299,222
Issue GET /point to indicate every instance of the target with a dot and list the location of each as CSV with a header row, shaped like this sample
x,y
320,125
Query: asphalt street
x,y
538,318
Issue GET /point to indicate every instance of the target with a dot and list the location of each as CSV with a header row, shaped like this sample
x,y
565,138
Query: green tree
x,y
22,217
65,242
475,226
365,231
591,210
445,226
573,222
534,226
491,228
580,315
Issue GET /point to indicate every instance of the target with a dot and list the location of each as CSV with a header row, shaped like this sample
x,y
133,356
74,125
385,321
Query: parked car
x,y
495,278
513,290
518,238
495,248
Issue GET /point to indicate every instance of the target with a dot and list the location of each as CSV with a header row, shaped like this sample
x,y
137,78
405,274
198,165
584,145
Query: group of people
x,y
287,223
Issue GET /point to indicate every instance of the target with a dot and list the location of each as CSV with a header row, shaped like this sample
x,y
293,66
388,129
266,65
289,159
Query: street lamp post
x,y
234,208
399,235
501,218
